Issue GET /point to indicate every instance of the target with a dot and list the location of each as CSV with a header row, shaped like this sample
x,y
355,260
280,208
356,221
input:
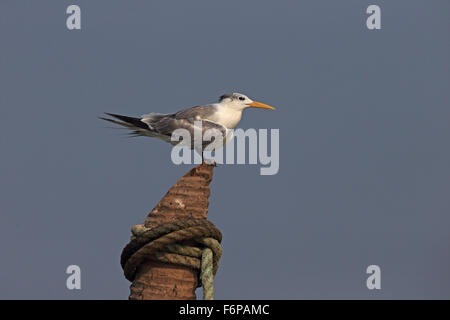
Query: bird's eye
x,y
241,98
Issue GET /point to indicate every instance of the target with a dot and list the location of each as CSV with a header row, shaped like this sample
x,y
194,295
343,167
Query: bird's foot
x,y
210,162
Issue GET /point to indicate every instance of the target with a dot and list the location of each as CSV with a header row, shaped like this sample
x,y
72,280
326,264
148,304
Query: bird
x,y
222,117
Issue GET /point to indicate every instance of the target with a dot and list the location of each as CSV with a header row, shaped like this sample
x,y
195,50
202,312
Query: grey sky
x,y
364,140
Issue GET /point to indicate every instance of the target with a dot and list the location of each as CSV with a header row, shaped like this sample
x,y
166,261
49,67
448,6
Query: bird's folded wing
x,y
196,128
198,112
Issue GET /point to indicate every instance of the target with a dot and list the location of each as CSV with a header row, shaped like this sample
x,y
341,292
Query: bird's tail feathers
x,y
138,127
124,124
126,121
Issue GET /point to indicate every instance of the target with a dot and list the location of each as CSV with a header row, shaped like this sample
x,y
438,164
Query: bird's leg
x,y
209,162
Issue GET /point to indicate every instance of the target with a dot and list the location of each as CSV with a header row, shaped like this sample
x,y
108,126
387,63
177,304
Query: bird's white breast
x,y
228,117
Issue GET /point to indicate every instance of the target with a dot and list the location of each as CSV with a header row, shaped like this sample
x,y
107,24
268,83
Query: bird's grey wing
x,y
196,113
168,125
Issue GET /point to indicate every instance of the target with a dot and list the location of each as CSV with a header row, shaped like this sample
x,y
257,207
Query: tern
x,y
221,117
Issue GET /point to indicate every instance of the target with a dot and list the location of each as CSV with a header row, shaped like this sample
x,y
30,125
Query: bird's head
x,y
241,101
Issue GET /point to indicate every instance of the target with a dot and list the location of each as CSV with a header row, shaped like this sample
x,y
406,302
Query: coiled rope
x,y
193,243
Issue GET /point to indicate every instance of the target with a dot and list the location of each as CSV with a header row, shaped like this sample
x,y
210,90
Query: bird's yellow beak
x,y
256,104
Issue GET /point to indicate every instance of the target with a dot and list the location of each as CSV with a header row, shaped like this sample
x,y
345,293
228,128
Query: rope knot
x,y
193,243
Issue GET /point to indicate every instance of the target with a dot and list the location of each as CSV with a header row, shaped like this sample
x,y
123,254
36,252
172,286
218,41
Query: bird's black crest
x,y
224,96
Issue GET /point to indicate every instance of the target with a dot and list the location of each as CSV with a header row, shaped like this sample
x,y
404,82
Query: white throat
x,y
228,115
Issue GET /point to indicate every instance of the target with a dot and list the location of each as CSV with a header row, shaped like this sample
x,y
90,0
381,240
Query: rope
x,y
193,243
